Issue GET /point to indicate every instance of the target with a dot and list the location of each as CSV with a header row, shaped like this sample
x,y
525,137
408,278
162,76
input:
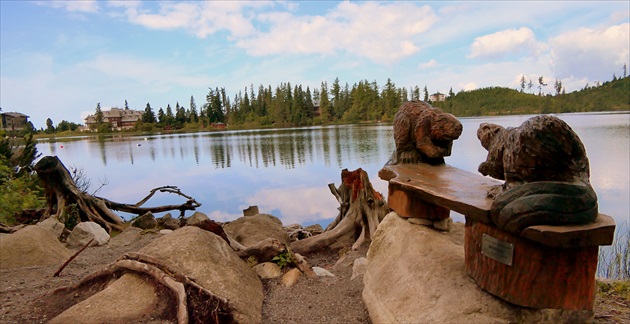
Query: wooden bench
x,y
544,267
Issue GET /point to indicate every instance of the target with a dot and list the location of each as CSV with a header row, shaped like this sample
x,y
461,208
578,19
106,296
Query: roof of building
x,y
14,114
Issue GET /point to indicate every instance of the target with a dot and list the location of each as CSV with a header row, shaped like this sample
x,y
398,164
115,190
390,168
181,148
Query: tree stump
x,y
361,210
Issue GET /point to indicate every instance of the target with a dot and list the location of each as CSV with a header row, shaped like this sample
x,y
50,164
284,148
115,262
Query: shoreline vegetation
x,y
364,102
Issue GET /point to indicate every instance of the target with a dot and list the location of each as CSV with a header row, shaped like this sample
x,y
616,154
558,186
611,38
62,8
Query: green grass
x,y
614,260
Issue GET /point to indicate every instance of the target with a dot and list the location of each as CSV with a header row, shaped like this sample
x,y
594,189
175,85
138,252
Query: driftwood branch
x,y
61,191
63,266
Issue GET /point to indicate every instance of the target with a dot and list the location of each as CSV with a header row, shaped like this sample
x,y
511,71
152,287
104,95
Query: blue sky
x,y
58,59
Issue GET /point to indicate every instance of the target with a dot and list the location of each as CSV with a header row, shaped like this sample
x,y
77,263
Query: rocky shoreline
x,y
409,263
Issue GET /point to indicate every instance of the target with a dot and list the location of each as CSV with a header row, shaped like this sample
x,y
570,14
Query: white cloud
x,y
87,6
199,18
505,42
384,33
590,53
145,71
429,64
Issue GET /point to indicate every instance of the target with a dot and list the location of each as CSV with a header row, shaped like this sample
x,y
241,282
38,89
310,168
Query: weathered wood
x,y
546,173
540,276
361,209
410,203
441,185
423,133
601,232
65,264
61,191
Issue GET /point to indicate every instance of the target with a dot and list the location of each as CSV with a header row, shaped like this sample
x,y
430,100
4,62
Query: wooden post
x,y
539,276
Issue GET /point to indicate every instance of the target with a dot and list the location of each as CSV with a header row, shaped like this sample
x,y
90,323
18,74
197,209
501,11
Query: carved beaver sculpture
x,y
423,133
546,173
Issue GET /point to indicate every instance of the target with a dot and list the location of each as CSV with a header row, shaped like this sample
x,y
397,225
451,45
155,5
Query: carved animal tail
x,y
544,203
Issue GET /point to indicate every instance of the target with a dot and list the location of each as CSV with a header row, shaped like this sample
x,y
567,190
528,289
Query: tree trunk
x,y
61,191
361,210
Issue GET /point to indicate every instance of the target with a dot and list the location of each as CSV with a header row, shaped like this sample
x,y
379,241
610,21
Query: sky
x,y
58,59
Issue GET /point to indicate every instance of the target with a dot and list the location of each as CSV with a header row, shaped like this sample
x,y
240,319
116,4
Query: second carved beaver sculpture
x,y
423,133
546,173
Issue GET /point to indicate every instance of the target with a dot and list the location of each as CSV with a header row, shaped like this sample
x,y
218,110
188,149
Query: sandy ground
x,y
331,300
324,300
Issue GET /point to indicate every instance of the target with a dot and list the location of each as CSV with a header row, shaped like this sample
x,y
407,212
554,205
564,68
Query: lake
x,y
285,172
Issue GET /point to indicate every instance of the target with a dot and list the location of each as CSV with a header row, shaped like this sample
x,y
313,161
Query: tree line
x,y
289,105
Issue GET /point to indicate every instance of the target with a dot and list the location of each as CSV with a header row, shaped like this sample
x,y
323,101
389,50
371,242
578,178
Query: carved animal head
x,y
487,134
445,127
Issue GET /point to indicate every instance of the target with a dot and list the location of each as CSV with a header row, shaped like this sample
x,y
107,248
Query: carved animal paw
x,y
410,157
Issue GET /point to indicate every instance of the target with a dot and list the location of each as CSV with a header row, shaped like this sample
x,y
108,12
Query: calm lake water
x,y
286,171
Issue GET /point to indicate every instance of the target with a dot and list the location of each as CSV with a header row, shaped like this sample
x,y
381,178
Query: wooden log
x,y
539,277
409,203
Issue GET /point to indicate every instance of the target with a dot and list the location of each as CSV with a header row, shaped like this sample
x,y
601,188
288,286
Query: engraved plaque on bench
x,y
497,250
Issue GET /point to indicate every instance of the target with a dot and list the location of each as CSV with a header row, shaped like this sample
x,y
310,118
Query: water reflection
x,y
285,171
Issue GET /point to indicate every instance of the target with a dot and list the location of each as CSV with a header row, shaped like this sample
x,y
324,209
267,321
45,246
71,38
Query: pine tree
x,y
98,114
541,83
148,116
426,94
523,83
161,117
126,105
324,103
49,126
192,114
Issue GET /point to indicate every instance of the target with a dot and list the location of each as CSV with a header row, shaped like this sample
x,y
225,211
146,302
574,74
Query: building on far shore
x,y
119,118
437,97
12,121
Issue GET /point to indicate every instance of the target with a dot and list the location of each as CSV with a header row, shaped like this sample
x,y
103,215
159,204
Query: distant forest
x,y
289,105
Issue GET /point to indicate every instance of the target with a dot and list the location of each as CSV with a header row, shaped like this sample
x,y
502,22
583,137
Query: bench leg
x,y
539,277
412,204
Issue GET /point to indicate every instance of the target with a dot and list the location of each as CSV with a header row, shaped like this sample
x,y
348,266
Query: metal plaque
x,y
497,250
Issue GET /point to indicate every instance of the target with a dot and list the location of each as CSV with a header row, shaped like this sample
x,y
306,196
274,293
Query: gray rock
x,y
314,229
420,221
53,225
291,277
321,272
418,275
251,211
358,268
196,218
444,225
166,231
168,222
293,227
191,251
146,221
31,246
268,270
249,230
84,232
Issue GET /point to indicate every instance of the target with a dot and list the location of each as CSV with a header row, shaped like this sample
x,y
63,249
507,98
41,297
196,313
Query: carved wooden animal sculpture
x,y
423,133
546,173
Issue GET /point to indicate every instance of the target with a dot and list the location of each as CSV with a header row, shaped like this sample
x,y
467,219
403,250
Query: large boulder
x,y
417,274
31,246
84,232
249,230
193,252
145,221
53,225
168,222
197,218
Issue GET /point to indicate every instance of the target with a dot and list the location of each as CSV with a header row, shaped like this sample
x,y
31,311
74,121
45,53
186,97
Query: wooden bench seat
x,y
547,266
